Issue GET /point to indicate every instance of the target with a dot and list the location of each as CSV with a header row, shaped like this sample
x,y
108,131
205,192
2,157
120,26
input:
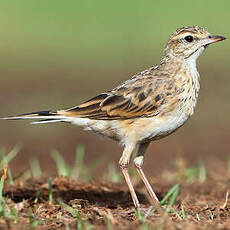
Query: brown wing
x,y
130,100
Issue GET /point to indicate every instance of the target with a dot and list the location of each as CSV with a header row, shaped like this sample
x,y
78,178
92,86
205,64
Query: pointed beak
x,y
213,39
216,38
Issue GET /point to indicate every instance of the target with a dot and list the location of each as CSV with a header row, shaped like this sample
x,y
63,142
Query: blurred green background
x,y
54,54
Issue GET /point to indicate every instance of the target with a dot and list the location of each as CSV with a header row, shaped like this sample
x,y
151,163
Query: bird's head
x,y
189,42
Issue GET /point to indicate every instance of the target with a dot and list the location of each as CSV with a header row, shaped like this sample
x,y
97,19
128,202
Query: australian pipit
x,y
149,106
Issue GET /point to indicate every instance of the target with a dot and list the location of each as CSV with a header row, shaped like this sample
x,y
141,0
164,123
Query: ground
x,y
201,202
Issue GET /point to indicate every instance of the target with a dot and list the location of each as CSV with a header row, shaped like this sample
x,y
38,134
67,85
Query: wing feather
x,y
133,99
146,94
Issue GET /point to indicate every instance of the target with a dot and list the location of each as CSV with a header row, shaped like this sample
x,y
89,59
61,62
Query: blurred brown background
x,y
54,54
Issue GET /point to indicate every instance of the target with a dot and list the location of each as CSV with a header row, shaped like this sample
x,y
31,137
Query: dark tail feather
x,y
35,115
40,113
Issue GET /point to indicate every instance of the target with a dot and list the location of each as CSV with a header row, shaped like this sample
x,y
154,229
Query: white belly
x,y
161,127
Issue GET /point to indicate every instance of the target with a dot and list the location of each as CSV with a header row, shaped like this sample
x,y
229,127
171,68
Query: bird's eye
x,y
189,38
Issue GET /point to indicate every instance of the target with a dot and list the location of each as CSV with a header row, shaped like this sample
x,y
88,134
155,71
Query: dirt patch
x,y
109,206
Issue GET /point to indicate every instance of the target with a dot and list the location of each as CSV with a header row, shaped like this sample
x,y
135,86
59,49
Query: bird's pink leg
x,y
124,170
124,162
138,162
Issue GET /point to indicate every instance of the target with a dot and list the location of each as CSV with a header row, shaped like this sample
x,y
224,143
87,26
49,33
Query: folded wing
x,y
121,103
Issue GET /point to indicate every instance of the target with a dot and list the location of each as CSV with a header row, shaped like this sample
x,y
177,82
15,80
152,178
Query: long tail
x,y
43,116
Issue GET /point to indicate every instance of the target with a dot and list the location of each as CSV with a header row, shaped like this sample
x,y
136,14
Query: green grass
x,y
35,168
183,214
10,214
173,192
1,189
33,223
50,191
140,217
187,174
9,157
62,168
39,192
6,159
81,223
113,174
78,166
78,169
211,215
196,173
7,213
4,163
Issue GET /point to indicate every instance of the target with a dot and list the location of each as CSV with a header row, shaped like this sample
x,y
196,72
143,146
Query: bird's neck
x,y
185,75
179,67
174,64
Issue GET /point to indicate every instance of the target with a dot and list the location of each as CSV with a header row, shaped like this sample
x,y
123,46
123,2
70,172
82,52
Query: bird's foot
x,y
144,212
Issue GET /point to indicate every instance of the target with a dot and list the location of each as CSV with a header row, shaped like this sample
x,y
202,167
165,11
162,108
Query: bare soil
x,y
109,206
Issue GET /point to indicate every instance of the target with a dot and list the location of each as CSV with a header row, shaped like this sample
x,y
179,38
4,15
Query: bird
x,y
152,104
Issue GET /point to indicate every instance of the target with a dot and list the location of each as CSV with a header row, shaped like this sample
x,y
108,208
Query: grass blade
x,y
80,153
60,163
169,193
10,156
183,214
211,215
50,191
202,172
38,195
173,199
73,212
139,216
78,163
35,168
113,174
1,189
10,177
